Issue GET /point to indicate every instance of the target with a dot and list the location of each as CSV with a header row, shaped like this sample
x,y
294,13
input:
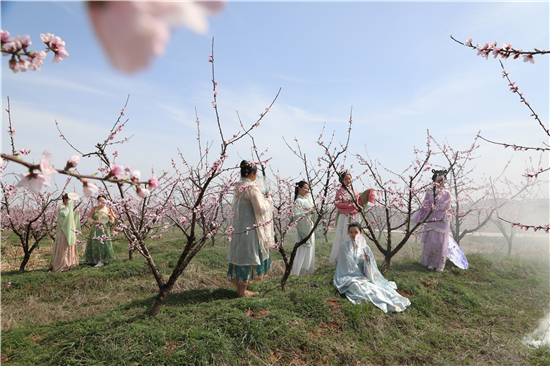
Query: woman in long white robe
x,y
304,214
357,275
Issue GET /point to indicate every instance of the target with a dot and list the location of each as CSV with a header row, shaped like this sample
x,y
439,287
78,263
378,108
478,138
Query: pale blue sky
x,y
393,62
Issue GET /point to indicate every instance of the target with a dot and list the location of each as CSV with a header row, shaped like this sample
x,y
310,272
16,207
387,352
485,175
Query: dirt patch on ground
x,y
334,305
37,337
406,294
171,347
4,359
431,283
255,315
326,328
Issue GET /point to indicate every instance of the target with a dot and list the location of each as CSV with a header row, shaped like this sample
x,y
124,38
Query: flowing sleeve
x,y
258,202
66,222
343,202
421,214
303,217
445,201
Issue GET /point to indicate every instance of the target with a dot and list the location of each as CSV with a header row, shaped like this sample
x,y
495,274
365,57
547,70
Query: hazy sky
x,y
393,62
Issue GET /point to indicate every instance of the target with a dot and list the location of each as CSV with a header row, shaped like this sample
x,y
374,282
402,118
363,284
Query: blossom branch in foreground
x,y
514,89
505,51
535,228
17,48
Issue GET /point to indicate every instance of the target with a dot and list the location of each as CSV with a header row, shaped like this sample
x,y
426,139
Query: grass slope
x,y
477,316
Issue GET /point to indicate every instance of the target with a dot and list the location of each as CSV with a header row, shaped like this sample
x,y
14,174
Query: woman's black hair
x,y
342,175
300,184
98,197
65,196
247,169
438,173
357,225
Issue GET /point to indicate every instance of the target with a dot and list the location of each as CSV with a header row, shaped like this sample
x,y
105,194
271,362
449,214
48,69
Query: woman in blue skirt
x,y
253,234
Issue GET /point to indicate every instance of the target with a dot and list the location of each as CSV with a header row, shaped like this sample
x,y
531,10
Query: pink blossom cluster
x,y
505,51
545,228
56,45
17,48
23,152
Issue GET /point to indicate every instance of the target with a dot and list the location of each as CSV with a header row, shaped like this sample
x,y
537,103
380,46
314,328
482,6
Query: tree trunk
x,y
164,291
288,269
213,241
24,262
509,240
131,254
387,261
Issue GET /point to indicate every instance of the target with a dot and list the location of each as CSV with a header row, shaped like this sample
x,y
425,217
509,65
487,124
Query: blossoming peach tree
x,y
506,51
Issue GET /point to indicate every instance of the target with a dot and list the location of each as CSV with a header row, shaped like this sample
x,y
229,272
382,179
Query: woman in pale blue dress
x,y
304,214
253,234
357,275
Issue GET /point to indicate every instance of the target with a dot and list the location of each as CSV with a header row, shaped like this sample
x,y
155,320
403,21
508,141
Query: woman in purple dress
x,y
435,213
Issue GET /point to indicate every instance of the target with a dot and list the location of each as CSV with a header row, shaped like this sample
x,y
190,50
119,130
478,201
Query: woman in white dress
x,y
304,215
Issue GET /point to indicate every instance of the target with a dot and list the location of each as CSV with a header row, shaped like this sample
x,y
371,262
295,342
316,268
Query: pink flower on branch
x,y
33,180
529,58
117,171
132,32
135,176
142,192
72,162
89,188
46,168
153,182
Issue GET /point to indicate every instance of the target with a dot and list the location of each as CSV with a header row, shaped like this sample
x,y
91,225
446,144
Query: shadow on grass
x,y
405,267
189,297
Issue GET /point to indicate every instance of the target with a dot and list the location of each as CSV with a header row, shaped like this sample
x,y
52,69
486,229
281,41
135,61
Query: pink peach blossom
x,y
135,176
528,58
153,182
33,180
117,171
47,38
46,168
72,162
142,192
89,188
5,36
132,32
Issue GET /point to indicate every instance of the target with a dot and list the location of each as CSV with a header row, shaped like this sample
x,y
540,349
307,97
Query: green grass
x,y
90,316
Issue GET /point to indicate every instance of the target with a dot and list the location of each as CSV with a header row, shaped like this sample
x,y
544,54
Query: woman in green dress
x,y
99,248
65,254
253,233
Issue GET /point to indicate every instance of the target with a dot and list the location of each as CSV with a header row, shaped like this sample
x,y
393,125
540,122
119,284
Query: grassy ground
x,y
91,316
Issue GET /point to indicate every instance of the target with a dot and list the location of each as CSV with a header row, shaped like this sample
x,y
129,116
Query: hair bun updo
x,y
437,173
247,168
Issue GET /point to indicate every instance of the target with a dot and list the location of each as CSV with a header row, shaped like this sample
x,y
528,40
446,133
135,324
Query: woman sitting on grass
x,y
358,277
